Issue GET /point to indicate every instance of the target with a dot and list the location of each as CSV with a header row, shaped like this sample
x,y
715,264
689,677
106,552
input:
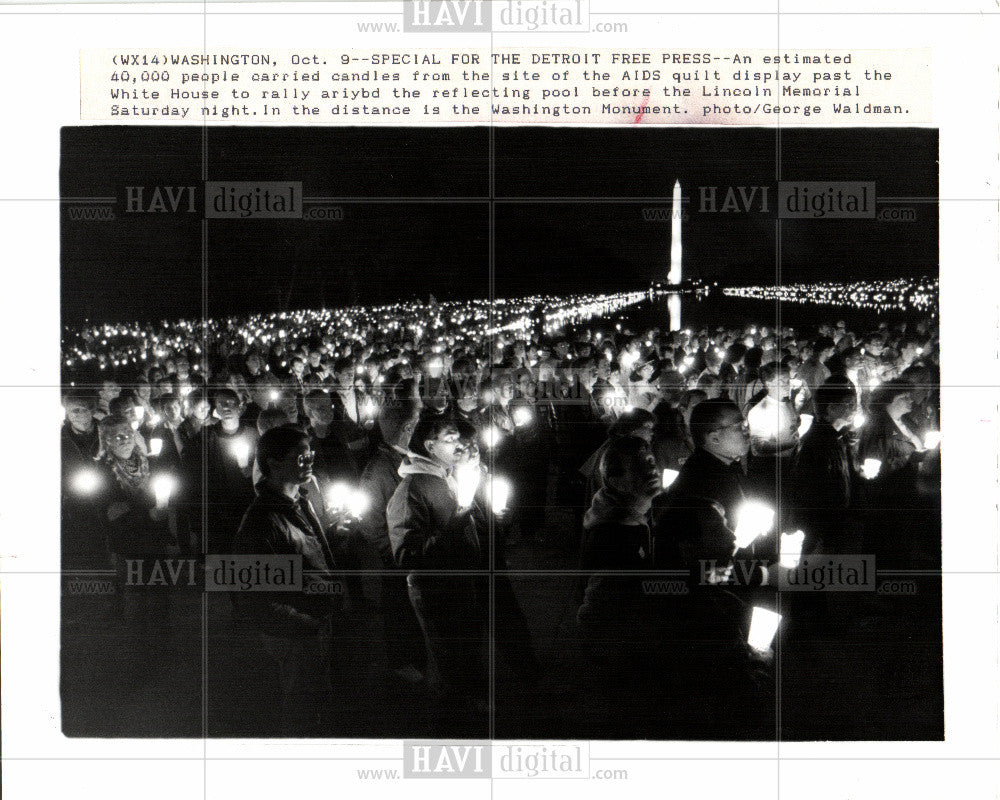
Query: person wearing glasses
x,y
704,630
295,628
703,504
432,530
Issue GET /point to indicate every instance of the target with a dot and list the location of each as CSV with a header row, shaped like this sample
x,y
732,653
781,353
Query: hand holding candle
x,y
467,477
791,549
499,494
522,416
754,519
763,627
163,486
871,468
491,436
805,423
86,481
241,452
341,498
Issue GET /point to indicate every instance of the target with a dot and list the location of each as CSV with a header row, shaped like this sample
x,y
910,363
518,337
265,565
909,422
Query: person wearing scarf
x,y
141,538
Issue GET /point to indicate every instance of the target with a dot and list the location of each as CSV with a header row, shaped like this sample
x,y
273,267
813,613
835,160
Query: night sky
x,y
565,219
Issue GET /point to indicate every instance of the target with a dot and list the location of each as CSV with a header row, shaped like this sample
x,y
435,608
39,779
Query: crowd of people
x,y
418,464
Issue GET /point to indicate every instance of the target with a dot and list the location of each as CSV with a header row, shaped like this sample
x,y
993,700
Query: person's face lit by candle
x,y
635,475
120,441
780,386
469,400
731,437
319,409
80,415
447,449
288,405
228,408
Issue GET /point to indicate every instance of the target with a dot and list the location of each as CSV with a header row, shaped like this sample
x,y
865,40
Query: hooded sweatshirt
x,y
427,528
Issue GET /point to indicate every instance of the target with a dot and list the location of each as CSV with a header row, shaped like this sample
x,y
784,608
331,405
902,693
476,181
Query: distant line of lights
x,y
441,324
902,294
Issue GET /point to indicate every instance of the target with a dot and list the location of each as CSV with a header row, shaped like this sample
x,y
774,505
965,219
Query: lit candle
x,y
241,452
522,416
499,494
754,519
763,627
669,476
155,446
791,548
163,487
358,502
932,439
338,496
467,477
86,481
859,419
491,436
369,408
805,423
871,468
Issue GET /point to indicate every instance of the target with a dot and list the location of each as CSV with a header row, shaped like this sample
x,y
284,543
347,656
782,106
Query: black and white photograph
x,y
501,433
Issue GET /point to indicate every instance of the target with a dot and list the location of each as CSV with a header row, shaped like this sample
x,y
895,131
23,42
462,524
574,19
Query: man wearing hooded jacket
x,y
434,537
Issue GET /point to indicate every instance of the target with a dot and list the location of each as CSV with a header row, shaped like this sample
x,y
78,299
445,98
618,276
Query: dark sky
x,y
566,217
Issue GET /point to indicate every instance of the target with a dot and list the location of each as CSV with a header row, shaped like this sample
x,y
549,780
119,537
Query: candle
x,y
499,494
338,496
155,446
522,416
86,481
791,548
871,468
753,519
358,502
240,449
467,477
163,486
491,436
763,627
859,419
932,439
669,476
805,423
